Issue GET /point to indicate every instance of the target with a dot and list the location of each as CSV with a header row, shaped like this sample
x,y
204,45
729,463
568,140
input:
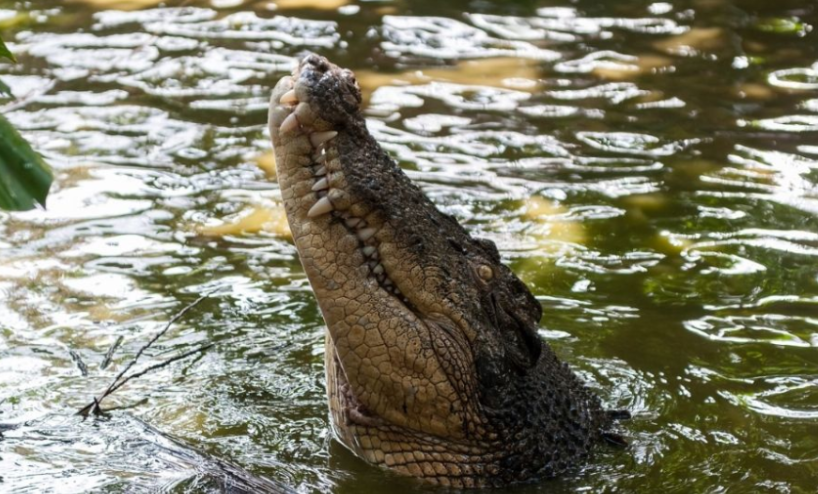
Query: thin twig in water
x,y
116,384
110,355
75,356
162,364
158,335
127,407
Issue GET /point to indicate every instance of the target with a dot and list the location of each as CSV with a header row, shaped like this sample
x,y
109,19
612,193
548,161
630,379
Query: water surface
x,y
649,168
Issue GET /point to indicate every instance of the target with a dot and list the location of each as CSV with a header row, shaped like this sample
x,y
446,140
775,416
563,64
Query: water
x,y
649,168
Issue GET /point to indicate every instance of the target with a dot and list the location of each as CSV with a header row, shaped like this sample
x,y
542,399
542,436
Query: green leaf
x,y
5,52
5,90
24,176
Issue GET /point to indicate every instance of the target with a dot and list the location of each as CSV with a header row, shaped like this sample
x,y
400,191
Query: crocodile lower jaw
x,y
295,119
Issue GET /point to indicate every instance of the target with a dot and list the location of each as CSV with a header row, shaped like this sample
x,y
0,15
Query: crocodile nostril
x,y
317,62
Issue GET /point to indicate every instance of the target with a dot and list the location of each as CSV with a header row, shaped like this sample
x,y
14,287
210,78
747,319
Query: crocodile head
x,y
434,365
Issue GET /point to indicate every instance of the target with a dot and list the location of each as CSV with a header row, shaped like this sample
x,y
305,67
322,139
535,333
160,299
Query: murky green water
x,y
649,168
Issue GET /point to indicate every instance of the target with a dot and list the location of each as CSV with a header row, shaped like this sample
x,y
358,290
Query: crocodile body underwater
x,y
434,365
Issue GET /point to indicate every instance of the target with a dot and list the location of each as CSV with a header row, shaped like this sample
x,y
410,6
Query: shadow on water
x,y
650,169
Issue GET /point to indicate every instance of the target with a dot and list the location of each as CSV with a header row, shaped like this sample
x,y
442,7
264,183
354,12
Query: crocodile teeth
x,y
288,98
318,138
322,206
321,158
321,185
352,222
378,269
305,113
321,171
369,250
366,233
289,124
387,282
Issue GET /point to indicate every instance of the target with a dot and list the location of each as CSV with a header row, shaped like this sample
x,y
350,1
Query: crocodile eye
x,y
350,77
485,272
351,92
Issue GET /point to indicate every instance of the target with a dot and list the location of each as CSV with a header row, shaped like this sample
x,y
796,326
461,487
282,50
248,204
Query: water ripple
x,y
217,73
773,329
790,397
248,26
443,38
567,24
636,144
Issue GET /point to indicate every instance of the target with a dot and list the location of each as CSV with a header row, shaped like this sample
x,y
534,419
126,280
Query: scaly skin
x,y
434,366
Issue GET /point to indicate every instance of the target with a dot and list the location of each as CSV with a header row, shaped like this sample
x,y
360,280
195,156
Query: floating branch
x,y
120,380
75,356
160,365
110,355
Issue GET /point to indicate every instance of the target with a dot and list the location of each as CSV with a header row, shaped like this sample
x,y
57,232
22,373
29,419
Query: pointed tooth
x,y
378,269
321,158
352,222
289,124
318,138
369,250
366,233
288,98
321,185
320,171
387,282
305,113
322,206
278,115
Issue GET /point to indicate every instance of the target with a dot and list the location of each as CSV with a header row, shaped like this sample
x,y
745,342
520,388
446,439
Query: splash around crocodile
x,y
434,365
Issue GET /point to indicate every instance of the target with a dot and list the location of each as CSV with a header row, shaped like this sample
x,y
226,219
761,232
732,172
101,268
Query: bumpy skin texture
x,y
434,365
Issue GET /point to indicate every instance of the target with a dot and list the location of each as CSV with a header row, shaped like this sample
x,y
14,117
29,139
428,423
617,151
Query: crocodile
x,y
434,365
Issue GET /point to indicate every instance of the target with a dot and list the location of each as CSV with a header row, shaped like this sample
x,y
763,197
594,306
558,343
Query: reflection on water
x,y
649,168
